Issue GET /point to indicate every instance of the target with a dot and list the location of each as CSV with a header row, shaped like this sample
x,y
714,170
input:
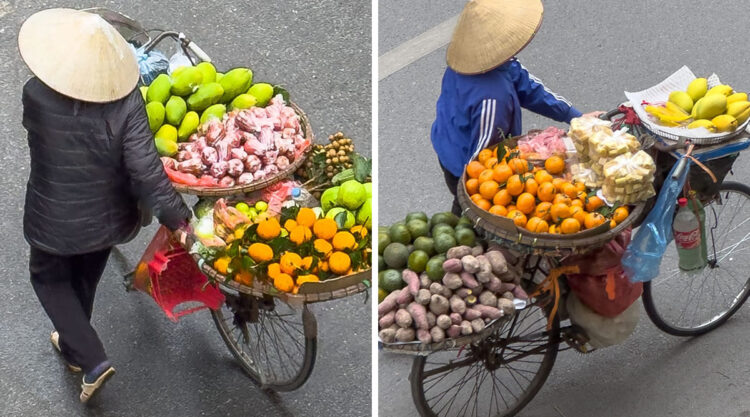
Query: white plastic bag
x,y
603,331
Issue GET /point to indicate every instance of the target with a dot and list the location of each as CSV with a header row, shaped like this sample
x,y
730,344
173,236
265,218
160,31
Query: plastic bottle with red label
x,y
687,237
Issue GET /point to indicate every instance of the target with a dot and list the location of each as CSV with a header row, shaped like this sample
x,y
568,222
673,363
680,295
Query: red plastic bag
x,y
602,284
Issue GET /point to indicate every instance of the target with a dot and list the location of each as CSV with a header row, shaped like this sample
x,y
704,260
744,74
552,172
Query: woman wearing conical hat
x,y
485,86
93,160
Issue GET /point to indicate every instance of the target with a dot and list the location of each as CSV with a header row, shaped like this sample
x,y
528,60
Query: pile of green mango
x,y
177,104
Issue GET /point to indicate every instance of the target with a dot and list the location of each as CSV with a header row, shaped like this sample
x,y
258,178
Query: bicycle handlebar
x,y
198,51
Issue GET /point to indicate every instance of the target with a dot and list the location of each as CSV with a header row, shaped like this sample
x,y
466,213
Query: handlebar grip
x,y
198,52
680,167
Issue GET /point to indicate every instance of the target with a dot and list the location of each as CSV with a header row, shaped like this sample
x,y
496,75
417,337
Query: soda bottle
x,y
687,238
695,205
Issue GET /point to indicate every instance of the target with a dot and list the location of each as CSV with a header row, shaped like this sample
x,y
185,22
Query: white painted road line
x,y
416,48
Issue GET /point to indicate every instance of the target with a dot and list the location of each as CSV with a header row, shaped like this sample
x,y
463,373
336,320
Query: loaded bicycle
x,y
498,372
272,334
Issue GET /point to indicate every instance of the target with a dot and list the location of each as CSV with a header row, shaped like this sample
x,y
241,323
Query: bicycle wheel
x,y
495,377
274,343
693,303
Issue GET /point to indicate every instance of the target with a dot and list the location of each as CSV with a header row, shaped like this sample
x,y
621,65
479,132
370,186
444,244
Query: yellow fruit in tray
x,y
742,117
697,89
186,81
188,126
243,101
722,89
208,71
736,97
165,147
263,92
167,132
724,123
144,93
677,110
159,89
682,99
155,112
666,116
235,82
205,96
175,110
736,108
217,111
710,106
702,123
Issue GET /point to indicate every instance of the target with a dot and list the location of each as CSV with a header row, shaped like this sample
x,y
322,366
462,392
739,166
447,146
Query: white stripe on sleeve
x,y
538,81
482,129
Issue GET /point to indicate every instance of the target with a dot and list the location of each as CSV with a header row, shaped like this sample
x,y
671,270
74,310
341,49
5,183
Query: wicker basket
x,y
266,182
309,292
419,348
504,230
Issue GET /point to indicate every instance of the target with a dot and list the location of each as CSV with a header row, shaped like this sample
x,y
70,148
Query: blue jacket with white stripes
x,y
476,111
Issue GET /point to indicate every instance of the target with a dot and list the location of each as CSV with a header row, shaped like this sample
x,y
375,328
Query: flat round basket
x,y
505,231
419,348
309,292
266,182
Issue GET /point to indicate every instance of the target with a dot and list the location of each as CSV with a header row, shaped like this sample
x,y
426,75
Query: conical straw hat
x,y
78,54
490,32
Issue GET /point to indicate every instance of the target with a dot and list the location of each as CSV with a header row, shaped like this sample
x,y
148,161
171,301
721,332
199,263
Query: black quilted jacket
x,y
91,165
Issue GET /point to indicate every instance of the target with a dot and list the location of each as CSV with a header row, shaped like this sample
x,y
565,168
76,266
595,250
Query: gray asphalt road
x,y
590,53
321,53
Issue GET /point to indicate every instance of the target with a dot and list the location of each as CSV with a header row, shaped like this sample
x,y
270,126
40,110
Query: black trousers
x,y
452,182
66,286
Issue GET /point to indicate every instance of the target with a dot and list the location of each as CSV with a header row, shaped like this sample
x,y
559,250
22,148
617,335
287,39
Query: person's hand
x,y
596,113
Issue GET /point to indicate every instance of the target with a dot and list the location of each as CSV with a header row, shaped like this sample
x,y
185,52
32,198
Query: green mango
x,y
235,82
186,81
144,92
175,109
242,101
207,95
208,70
165,147
178,70
219,76
159,89
167,132
188,126
217,111
263,92
155,111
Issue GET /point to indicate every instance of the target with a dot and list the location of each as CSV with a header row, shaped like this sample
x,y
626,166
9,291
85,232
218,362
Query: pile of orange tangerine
x,y
538,199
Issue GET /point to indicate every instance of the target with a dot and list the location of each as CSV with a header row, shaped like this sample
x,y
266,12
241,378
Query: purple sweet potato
x,y
489,312
457,304
453,265
456,318
453,332
438,334
403,318
419,314
388,319
389,303
452,281
468,280
470,264
412,281
424,336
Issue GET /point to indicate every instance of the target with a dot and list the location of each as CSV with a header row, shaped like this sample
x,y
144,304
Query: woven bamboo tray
x,y
504,230
419,348
266,182
309,292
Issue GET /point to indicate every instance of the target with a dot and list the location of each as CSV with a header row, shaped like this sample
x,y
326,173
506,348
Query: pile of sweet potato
x,y
478,287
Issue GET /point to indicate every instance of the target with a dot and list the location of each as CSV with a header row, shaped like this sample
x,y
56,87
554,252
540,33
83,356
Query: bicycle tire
x,y
650,300
267,375
418,377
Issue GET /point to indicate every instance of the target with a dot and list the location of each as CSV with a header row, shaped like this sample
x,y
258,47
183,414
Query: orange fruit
x,y
474,169
542,176
570,226
519,165
621,213
558,183
537,225
518,218
546,191
502,198
484,155
300,235
501,173
531,186
561,198
306,217
578,213
594,203
526,203
593,220
499,210
514,185
559,211
488,189
570,190
511,207
484,204
485,175
290,262
553,230
472,186
554,165
581,195
476,197
576,202
490,163
612,224
579,186
268,229
344,240
543,210
325,228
